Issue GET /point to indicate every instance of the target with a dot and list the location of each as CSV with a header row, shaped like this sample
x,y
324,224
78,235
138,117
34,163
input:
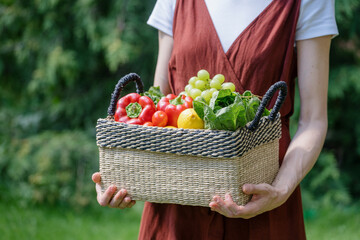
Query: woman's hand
x,y
265,198
119,200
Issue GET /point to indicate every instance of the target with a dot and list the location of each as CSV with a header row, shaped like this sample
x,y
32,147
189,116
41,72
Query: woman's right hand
x,y
119,200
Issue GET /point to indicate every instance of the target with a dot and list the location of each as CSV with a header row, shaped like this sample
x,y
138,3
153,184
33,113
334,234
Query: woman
x,y
252,44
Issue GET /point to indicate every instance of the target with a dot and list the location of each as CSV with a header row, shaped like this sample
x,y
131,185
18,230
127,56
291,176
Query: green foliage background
x,y
59,62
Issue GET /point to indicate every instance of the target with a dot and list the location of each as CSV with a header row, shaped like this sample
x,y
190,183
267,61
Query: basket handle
x,y
119,87
281,85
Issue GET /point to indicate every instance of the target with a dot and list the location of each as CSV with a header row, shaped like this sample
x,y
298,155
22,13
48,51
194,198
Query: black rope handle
x,y
119,87
267,97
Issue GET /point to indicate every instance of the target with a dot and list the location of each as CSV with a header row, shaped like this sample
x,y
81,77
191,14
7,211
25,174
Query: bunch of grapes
x,y
202,87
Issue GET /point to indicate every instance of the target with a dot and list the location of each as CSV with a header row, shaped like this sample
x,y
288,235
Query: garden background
x,y
59,62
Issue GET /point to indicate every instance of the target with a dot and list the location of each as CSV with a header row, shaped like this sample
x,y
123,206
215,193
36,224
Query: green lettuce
x,y
228,110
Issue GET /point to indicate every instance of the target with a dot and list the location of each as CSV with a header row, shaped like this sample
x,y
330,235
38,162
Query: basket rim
x,y
229,132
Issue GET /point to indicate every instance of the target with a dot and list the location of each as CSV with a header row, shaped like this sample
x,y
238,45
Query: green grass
x,y
57,223
336,223
106,224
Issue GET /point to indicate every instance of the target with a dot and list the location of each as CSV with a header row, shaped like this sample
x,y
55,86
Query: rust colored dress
x,y
260,56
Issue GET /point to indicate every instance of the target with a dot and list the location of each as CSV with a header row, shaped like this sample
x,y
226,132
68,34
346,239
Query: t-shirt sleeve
x,y
316,19
162,16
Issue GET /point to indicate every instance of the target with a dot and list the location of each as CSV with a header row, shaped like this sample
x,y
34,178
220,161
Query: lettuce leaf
x,y
228,110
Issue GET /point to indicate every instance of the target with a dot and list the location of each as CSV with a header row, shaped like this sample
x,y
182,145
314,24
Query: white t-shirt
x,y
231,17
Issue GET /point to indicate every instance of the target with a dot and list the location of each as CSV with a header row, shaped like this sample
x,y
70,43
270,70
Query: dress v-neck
x,y
249,26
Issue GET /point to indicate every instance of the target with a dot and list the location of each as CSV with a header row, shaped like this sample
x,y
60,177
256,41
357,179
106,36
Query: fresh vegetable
x,y
149,124
134,109
154,93
173,105
228,110
159,119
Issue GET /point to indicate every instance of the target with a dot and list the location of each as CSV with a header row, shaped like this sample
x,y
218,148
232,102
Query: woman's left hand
x,y
264,198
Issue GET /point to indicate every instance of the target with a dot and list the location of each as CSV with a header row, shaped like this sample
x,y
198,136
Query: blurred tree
x,y
59,62
344,94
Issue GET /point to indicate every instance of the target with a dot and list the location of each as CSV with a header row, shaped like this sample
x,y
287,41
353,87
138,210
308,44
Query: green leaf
x,y
199,108
154,93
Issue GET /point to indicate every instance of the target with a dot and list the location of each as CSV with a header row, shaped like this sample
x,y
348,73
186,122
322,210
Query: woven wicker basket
x,y
188,166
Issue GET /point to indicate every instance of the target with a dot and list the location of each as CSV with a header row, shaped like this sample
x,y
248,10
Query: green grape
x,y
188,89
206,95
228,85
203,74
215,84
192,81
220,78
195,93
212,90
207,85
200,84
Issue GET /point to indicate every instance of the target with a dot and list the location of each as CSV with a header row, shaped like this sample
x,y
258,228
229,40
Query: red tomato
x,y
149,124
171,96
160,119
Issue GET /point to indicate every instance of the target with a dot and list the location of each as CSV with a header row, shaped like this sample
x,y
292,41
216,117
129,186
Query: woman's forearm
x,y
301,155
161,71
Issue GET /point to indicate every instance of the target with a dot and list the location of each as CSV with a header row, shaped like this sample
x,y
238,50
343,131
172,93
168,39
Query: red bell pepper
x,y
134,109
173,105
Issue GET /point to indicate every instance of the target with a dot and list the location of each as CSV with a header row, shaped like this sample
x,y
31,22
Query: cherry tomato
x,y
171,96
149,124
160,119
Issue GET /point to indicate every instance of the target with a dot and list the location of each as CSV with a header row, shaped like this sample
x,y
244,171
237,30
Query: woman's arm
x,y
164,54
305,147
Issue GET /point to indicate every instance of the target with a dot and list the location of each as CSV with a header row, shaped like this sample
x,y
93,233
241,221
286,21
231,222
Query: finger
x,y
232,206
96,177
255,188
222,207
131,204
98,189
214,206
118,198
125,202
250,209
104,199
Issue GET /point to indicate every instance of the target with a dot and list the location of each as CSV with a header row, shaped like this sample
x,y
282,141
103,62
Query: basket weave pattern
x,y
206,143
171,178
